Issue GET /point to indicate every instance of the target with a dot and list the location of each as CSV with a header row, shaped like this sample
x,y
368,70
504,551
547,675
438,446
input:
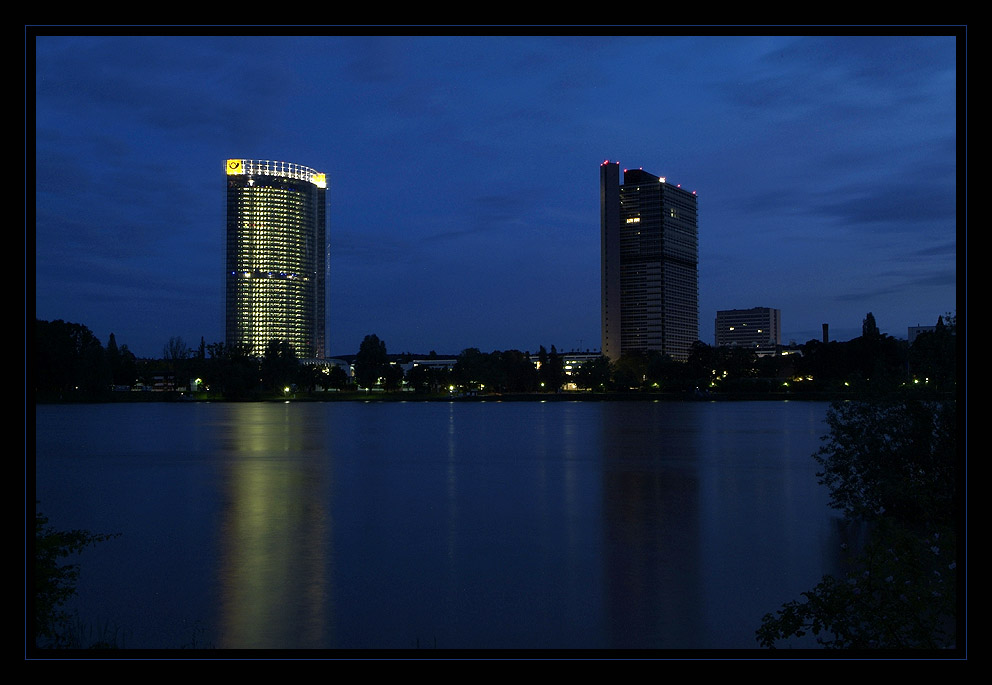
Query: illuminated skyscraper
x,y
649,253
276,256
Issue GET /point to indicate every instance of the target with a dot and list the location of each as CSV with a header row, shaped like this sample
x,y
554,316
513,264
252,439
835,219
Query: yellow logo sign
x,y
234,167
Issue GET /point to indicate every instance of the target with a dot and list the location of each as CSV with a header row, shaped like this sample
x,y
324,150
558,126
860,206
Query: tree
x,y
336,378
542,366
216,350
69,358
552,371
392,377
175,350
595,374
826,363
279,366
701,363
54,581
371,361
427,379
176,353
933,355
419,378
518,371
891,458
240,375
901,595
232,372
662,370
775,366
868,327
630,370
122,363
735,362
874,361
891,465
471,368
111,352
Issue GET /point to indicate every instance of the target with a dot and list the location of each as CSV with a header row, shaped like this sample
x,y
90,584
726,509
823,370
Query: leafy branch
x,y
892,465
55,581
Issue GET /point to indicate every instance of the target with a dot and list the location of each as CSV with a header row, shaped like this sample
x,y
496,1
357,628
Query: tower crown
x,y
265,167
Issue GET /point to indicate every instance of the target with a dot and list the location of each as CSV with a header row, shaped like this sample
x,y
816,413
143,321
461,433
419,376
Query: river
x,y
463,525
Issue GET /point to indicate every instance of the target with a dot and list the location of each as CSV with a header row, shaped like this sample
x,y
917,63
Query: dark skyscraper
x,y
649,252
276,256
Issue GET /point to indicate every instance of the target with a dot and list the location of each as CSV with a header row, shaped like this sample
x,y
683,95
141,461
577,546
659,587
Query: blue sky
x,y
464,176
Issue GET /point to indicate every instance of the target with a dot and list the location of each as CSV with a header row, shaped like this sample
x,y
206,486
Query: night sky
x,y
464,177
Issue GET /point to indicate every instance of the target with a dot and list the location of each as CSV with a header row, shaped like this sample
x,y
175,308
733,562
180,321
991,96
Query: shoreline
x,y
565,396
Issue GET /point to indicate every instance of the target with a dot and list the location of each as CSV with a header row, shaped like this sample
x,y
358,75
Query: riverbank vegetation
x,y
891,467
70,364
53,584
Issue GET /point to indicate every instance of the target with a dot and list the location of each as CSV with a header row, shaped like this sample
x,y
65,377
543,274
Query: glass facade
x,y
276,256
652,228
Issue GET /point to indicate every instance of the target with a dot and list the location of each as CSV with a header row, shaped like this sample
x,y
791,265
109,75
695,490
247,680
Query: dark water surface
x,y
456,525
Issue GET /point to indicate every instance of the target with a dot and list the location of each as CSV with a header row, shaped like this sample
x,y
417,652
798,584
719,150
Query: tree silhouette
x,y
933,356
279,365
891,464
595,374
69,359
868,327
54,582
371,361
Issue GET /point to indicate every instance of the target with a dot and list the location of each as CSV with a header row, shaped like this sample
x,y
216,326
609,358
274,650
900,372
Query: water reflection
x,y
650,514
275,536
